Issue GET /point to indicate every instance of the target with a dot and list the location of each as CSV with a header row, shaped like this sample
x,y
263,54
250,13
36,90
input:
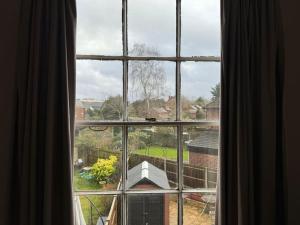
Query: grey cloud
x,y
198,78
200,27
99,29
153,23
98,80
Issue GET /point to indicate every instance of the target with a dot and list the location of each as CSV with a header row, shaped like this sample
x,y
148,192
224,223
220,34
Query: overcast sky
x,y
99,31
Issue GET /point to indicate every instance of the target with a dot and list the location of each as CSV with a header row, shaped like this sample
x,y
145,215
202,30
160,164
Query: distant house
x,y
150,208
79,111
159,113
193,112
92,104
82,105
170,104
203,149
190,109
212,110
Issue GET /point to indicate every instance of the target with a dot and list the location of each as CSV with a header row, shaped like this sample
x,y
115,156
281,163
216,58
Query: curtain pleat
x,y
41,184
251,188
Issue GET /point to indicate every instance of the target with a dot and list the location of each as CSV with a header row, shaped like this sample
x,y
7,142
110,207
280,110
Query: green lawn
x,y
89,205
83,184
162,152
91,216
88,214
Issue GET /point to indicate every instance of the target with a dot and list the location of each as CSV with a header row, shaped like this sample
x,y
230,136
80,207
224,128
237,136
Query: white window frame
x,y
125,123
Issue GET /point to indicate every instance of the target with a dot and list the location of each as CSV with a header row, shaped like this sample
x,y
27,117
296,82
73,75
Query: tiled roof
x,y
146,172
208,139
213,104
159,110
89,104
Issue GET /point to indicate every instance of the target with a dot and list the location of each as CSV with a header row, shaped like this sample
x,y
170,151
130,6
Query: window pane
x,y
99,27
152,209
151,90
200,90
152,27
152,157
97,209
97,158
201,166
99,90
199,209
200,27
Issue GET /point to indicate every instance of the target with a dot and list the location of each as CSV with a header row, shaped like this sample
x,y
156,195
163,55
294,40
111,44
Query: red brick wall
x,y
212,114
79,113
205,160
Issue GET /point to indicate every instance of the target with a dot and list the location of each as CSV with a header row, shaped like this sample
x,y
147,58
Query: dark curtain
x,y
41,190
252,161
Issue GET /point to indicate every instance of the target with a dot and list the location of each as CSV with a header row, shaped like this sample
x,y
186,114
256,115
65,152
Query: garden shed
x,y
149,209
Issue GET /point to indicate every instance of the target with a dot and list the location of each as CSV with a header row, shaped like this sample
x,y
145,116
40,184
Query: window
x,y
147,112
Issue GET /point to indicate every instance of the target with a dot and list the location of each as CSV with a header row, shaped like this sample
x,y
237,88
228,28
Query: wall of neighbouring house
x,y
205,160
212,114
79,113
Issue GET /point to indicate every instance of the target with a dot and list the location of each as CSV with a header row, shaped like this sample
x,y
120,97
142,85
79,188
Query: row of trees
x,y
112,107
148,89
139,138
91,144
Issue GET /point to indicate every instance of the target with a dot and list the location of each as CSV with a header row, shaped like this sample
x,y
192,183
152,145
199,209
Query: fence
x,y
112,218
113,215
193,176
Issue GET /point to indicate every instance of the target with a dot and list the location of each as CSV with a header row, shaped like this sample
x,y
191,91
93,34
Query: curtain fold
x,y
41,181
252,184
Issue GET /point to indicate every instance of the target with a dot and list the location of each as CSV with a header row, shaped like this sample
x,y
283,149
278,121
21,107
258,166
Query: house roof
x,y
192,110
206,139
159,110
89,104
146,172
213,104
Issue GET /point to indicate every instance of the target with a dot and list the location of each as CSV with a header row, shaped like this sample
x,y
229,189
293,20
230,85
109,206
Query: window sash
x,y
125,58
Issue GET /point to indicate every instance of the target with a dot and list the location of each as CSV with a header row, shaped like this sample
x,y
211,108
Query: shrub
x,y
103,169
165,137
138,139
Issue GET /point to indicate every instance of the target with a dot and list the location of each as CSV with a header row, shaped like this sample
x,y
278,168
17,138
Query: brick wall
x,y
79,113
212,114
205,160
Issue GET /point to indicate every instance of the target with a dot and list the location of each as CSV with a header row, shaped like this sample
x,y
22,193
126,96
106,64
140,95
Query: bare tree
x,y
148,78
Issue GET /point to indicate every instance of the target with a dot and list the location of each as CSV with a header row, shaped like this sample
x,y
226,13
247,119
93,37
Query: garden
x,y
98,158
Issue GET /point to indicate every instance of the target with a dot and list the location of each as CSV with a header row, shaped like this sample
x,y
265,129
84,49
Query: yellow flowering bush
x,y
104,168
